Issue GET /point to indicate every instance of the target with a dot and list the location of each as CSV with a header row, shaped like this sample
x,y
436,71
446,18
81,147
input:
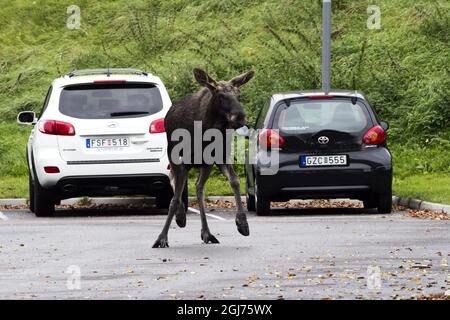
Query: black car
x,y
328,146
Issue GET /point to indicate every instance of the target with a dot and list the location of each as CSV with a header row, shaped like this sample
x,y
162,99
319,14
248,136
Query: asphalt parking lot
x,y
292,254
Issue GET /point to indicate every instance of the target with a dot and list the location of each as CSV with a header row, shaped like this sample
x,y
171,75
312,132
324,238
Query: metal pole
x,y
326,46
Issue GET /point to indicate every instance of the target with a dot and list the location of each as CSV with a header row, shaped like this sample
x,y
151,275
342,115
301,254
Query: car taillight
x,y
157,126
55,127
51,169
271,139
375,135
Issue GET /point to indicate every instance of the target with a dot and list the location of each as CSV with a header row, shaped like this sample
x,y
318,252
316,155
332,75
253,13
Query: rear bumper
x,y
359,178
324,184
104,185
86,169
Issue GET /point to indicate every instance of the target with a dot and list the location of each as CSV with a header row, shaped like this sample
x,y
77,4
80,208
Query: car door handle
x,y
139,141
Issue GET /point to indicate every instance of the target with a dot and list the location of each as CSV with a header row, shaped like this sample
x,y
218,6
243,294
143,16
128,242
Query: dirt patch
x,y
217,204
439,296
426,214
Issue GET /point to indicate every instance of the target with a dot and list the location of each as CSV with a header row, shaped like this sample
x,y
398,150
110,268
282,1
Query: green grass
x,y
13,187
430,187
216,185
13,140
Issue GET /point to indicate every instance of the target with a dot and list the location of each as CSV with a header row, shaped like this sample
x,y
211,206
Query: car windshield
x,y
313,116
104,101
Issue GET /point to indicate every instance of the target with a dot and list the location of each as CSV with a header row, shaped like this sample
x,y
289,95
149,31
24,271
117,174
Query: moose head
x,y
225,101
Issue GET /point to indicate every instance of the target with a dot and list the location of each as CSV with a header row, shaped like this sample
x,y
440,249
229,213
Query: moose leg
x,y
241,218
179,176
203,176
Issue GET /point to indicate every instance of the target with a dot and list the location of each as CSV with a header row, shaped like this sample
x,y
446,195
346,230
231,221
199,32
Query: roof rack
x,y
108,72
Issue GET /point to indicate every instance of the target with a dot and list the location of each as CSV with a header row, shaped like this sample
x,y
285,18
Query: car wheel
x,y
44,201
251,202
162,200
31,192
262,203
370,202
384,203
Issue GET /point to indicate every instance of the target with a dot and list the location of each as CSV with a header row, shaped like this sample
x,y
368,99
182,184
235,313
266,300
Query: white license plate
x,y
320,161
104,143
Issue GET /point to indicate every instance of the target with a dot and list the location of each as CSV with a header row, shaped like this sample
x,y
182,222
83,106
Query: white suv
x,y
100,132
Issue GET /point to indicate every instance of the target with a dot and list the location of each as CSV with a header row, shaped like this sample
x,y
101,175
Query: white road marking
x,y
208,214
3,217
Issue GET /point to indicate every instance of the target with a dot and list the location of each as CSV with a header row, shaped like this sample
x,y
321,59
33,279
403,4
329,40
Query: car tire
x,y
163,200
44,201
262,204
370,202
384,203
251,202
31,192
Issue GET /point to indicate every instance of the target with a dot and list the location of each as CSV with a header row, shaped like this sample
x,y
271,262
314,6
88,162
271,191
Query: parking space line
x,y
3,217
208,214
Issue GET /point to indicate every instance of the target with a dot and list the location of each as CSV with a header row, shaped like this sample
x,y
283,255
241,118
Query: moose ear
x,y
242,79
204,79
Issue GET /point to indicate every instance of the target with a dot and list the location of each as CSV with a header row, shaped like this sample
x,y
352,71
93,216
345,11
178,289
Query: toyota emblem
x,y
323,140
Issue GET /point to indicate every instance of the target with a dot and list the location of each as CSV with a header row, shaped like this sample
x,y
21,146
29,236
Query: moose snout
x,y
237,120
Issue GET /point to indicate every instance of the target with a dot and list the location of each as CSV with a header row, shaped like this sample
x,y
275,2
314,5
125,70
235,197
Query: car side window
x,y
47,98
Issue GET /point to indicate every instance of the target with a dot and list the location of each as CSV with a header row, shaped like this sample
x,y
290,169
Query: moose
x,y
216,106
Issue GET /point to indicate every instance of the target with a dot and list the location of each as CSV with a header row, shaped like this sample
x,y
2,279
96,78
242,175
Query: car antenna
x,y
108,73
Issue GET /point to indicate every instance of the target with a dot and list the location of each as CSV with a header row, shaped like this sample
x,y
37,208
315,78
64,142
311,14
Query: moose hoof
x,y
161,242
207,237
242,224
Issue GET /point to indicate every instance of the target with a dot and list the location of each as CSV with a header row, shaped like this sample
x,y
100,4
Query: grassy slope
x,y
431,187
403,68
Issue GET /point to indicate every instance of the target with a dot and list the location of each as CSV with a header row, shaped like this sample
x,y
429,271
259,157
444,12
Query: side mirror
x,y
384,125
243,131
26,117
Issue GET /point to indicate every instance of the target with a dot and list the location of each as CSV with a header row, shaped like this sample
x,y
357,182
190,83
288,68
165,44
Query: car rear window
x,y
313,116
104,101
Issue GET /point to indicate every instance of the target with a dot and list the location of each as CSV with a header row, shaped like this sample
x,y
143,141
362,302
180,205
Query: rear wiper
x,y
127,113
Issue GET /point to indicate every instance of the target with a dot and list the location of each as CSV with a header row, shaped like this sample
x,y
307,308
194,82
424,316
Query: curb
x,y
417,204
410,203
